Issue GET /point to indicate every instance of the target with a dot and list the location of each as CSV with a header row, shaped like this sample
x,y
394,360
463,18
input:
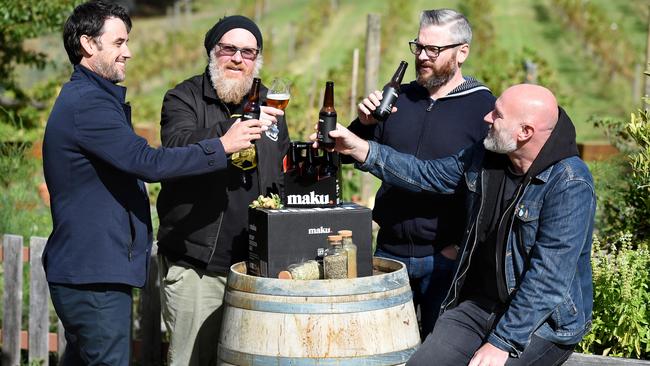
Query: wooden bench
x,y
579,359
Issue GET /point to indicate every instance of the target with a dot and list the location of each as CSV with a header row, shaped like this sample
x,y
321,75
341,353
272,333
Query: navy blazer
x,y
94,166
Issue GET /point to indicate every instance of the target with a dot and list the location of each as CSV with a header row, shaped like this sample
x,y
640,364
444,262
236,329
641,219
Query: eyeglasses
x,y
230,50
431,51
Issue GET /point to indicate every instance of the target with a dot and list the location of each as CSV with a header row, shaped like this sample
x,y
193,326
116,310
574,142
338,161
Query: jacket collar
x,y
470,85
117,91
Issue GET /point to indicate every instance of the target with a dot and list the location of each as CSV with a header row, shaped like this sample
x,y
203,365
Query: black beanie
x,y
227,23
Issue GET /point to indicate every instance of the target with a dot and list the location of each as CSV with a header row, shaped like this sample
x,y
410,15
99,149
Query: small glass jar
x,y
335,260
308,270
351,250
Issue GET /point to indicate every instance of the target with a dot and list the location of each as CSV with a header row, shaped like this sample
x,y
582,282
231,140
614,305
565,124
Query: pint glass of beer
x,y
277,97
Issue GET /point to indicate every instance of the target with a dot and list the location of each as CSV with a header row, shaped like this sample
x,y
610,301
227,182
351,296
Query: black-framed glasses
x,y
431,50
230,50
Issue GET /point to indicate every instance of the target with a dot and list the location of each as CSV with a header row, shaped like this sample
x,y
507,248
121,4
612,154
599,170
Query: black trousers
x,y
97,322
461,331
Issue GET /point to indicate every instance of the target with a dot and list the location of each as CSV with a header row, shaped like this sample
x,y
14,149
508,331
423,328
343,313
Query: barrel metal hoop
x,y
240,358
361,285
317,308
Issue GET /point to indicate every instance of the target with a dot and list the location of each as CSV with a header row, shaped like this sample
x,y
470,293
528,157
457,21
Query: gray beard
x,y
231,90
500,144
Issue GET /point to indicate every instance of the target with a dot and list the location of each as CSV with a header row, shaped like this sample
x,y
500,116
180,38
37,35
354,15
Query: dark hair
x,y
88,19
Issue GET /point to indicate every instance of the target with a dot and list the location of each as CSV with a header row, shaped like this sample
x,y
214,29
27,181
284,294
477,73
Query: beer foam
x,y
283,96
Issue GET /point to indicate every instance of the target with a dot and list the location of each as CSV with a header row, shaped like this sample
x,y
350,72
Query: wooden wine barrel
x,y
362,321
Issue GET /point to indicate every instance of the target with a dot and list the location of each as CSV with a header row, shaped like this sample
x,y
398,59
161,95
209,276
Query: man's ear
x,y
462,53
526,132
88,45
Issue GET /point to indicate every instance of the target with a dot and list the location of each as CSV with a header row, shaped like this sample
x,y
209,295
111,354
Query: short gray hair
x,y
459,27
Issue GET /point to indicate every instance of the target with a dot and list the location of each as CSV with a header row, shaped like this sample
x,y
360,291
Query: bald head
x,y
520,124
533,104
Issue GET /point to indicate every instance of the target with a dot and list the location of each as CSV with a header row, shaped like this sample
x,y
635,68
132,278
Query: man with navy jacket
x,y
438,114
95,168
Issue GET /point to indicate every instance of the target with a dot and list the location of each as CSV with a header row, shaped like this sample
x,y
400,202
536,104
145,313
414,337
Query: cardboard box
x,y
278,238
304,183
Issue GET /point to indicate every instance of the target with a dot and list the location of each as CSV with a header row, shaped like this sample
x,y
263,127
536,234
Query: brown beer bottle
x,y
327,167
327,118
310,167
252,107
294,157
390,94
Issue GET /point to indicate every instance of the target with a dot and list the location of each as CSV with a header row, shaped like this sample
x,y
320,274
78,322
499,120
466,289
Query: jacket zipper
x,y
499,257
471,253
515,202
216,238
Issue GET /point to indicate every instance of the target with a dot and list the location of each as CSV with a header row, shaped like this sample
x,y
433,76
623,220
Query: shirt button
x,y
210,162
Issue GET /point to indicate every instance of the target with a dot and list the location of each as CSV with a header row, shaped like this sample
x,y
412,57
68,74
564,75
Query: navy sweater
x,y
420,224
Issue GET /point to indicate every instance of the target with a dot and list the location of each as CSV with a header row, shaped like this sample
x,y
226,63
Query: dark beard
x,y
440,76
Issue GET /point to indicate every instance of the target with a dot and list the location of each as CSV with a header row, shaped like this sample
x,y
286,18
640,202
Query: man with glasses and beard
x,y
204,220
436,115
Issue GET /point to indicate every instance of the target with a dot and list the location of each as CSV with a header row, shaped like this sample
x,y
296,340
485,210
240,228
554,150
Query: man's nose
x,y
423,56
488,118
237,57
126,53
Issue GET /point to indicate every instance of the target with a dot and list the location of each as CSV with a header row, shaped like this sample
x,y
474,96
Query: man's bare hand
x,y
368,105
270,113
241,133
489,355
347,143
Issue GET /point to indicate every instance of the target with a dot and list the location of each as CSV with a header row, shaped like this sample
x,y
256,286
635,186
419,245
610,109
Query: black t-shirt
x,y
481,282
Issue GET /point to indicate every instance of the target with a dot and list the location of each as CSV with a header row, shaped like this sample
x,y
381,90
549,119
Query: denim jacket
x,y
547,254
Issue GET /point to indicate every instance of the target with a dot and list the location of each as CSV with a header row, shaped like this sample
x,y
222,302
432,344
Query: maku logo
x,y
319,230
308,199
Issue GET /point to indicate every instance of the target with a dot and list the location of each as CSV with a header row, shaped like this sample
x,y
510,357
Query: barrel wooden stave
x,y
367,321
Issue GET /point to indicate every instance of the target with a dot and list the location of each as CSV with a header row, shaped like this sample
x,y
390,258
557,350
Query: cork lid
x,y
345,233
285,275
333,239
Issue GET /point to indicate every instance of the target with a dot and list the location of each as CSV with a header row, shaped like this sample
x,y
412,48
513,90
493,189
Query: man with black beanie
x,y
204,220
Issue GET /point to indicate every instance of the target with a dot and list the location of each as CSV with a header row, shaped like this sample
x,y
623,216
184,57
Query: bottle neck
x,y
328,98
399,73
255,91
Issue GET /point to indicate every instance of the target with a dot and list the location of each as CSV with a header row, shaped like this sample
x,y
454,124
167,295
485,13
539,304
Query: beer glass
x,y
277,97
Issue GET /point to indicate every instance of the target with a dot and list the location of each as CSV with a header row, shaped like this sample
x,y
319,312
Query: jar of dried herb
x,y
351,251
335,260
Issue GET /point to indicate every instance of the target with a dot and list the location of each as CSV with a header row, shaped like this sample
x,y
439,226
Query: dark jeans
x,y
97,322
430,278
462,330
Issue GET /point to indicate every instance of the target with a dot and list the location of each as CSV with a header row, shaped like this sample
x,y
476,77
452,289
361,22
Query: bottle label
x,y
325,125
250,115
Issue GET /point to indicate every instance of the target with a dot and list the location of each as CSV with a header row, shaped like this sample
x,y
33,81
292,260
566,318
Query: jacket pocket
x,y
567,320
526,223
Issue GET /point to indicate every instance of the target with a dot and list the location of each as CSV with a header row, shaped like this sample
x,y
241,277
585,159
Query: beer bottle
x,y
327,167
310,167
390,93
252,107
327,117
294,157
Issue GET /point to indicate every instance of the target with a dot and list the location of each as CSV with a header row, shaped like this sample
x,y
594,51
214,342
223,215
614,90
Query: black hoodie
x,y
561,144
